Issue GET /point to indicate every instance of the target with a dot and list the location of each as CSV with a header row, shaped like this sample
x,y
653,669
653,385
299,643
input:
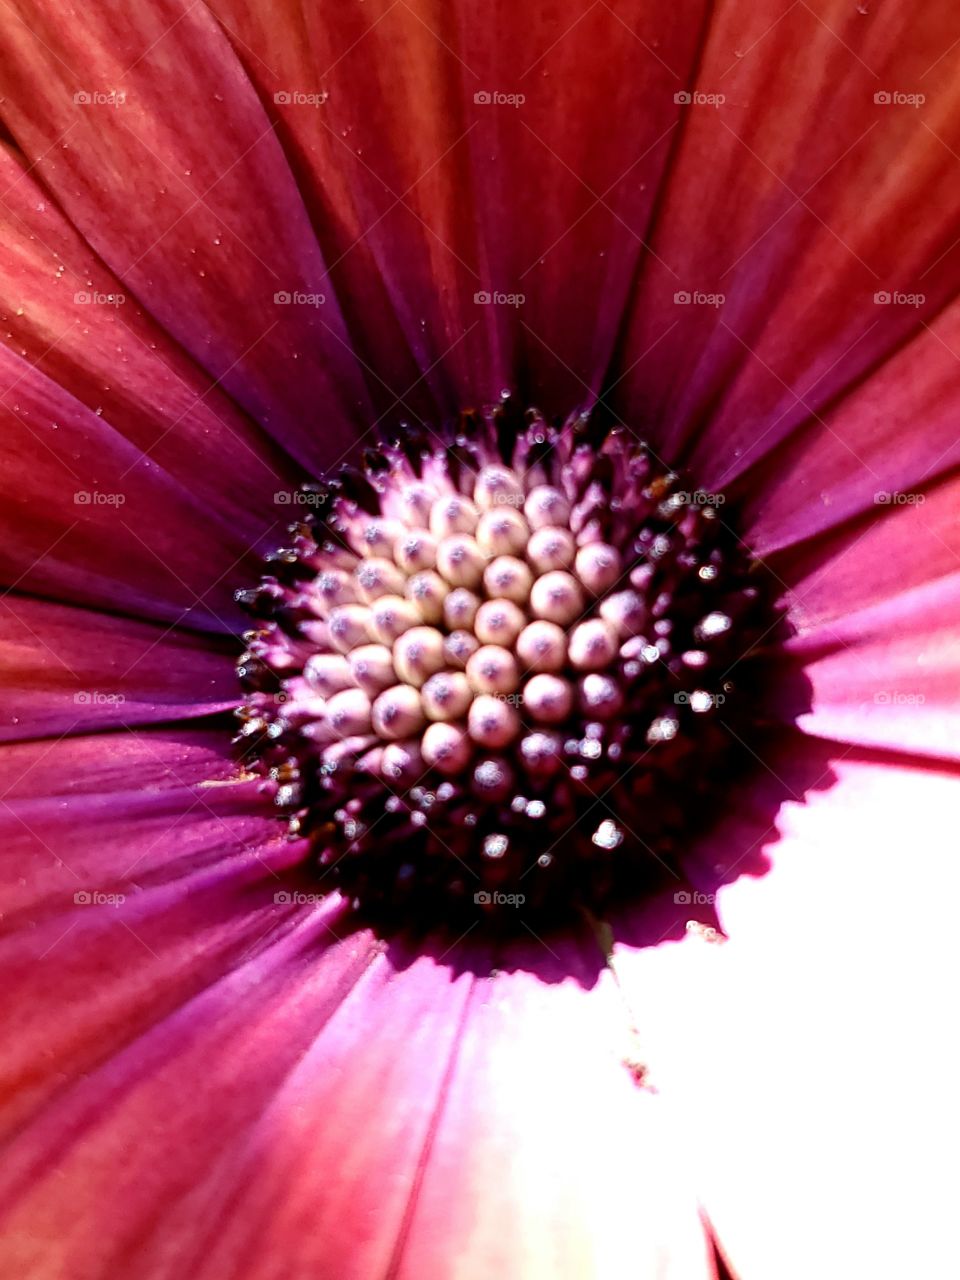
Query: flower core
x,y
506,666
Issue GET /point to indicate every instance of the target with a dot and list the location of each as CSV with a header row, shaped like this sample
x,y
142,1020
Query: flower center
x,y
507,668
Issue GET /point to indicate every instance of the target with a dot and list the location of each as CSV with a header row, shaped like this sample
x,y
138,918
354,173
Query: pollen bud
x,y
497,487
545,506
508,578
502,532
600,696
499,622
416,503
348,713
459,647
551,548
378,577
328,673
492,722
460,609
418,654
446,696
557,598
349,626
428,591
446,748
392,616
461,561
542,646
401,762
547,699
493,670
334,587
597,565
372,668
452,514
541,753
625,612
397,713
593,645
416,551
377,537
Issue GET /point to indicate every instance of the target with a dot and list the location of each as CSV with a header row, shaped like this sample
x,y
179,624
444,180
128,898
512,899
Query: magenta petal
x,y
213,228
807,1061
67,670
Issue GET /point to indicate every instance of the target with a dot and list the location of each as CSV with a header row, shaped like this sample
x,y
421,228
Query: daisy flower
x,y
480,562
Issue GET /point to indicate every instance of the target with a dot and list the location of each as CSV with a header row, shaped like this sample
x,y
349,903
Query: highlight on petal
x,y
805,1054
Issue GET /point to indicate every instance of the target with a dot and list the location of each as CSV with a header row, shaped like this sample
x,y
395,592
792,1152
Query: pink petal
x,y
901,546
809,1063
797,199
212,228
66,670
444,197
888,676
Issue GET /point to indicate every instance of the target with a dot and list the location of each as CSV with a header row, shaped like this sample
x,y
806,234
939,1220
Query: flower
x,y
241,241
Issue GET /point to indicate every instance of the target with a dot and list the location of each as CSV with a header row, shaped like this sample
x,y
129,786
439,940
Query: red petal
x,y
68,317
798,199
212,227
86,517
443,197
